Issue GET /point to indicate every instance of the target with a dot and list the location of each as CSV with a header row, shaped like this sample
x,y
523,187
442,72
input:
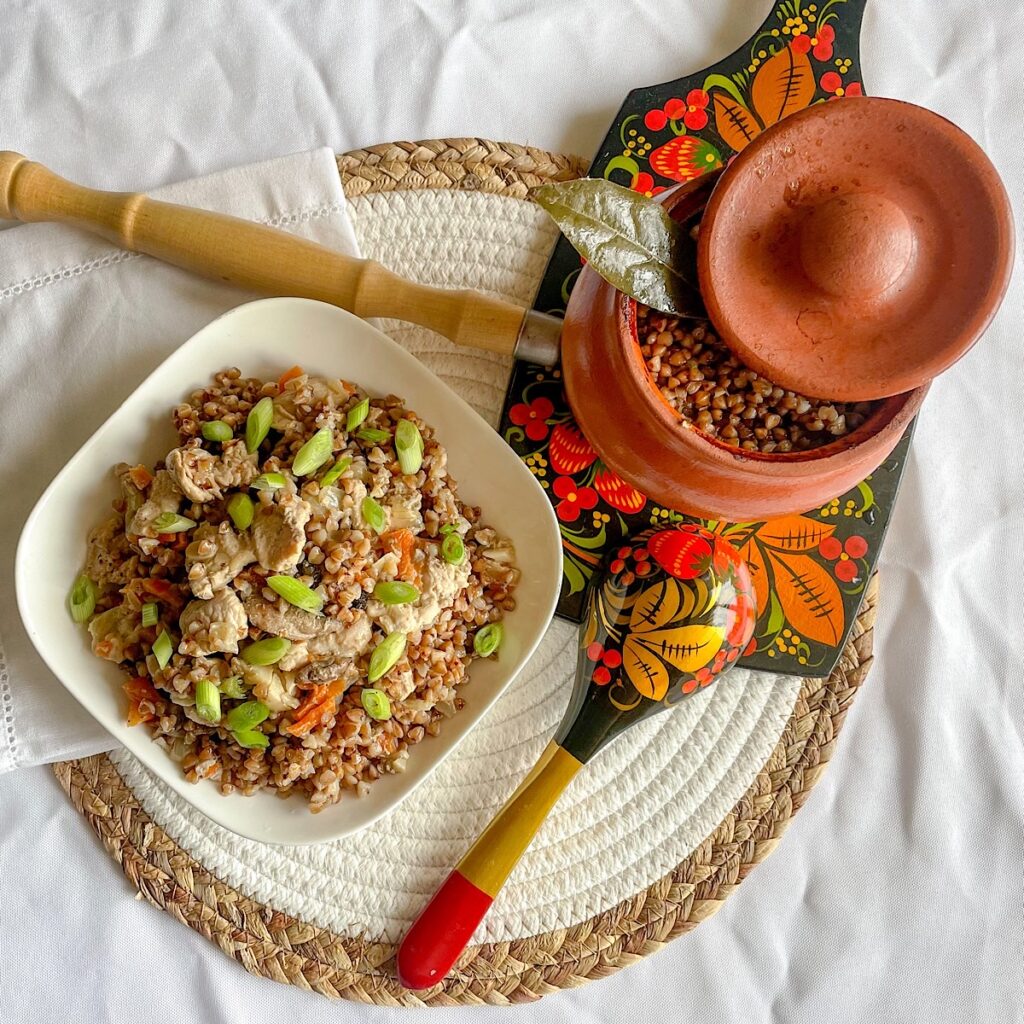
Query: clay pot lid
x,y
856,249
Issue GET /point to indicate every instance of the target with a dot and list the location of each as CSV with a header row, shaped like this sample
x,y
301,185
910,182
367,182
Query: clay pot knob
x,y
855,249
856,245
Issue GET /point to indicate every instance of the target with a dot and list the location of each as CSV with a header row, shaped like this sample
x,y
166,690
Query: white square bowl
x,y
263,339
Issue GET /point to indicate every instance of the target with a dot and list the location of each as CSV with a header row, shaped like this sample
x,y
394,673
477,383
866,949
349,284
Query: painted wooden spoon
x,y
673,611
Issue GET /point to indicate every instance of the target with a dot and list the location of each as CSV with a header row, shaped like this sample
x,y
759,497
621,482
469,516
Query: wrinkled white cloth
x,y
81,325
897,894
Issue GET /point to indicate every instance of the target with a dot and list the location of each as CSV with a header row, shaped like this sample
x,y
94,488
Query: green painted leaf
x,y
776,616
621,163
589,543
573,575
628,239
723,83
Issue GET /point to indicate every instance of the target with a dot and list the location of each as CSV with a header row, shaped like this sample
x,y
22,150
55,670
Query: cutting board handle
x,y
263,259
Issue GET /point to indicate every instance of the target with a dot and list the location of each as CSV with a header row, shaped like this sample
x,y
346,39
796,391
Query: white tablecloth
x,y
898,892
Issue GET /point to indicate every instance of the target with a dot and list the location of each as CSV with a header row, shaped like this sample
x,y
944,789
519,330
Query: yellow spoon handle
x,y
448,921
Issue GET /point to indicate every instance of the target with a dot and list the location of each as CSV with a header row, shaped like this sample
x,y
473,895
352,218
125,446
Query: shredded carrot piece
x,y
138,690
160,588
403,543
295,371
140,476
313,697
142,587
311,710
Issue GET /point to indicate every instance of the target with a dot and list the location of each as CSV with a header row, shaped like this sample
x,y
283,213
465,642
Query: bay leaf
x,y
629,240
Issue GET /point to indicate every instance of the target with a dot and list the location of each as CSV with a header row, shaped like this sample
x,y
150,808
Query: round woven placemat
x,y
277,945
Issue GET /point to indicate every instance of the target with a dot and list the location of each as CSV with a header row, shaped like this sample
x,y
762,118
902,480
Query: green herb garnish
x,y
247,716
82,599
409,445
257,423
314,453
241,510
488,639
162,649
357,414
386,655
268,651
171,522
334,473
373,514
296,593
453,550
208,701
269,482
376,704
217,430
395,592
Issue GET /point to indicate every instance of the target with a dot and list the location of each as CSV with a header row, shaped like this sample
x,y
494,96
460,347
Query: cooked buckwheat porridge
x,y
296,591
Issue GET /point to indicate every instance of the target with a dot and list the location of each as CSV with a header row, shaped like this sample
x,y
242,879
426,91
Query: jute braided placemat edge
x,y
275,945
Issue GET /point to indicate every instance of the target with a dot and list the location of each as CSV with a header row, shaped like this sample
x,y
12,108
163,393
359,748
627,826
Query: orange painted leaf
x,y
737,125
809,597
752,555
794,533
783,85
645,671
657,606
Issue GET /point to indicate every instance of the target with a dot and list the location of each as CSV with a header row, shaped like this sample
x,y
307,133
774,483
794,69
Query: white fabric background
x,y
898,892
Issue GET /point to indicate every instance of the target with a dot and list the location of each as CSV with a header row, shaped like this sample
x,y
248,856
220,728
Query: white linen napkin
x,y
81,325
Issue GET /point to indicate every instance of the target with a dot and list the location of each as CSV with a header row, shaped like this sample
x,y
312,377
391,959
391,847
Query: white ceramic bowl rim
x,y
264,338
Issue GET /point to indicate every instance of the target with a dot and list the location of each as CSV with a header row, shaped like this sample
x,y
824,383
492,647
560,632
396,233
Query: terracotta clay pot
x,y
643,439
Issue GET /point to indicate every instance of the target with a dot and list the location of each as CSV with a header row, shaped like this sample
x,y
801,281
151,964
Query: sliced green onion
x,y
409,445
162,649
395,593
241,510
357,414
453,550
373,514
266,652
257,425
217,430
250,738
150,613
296,593
269,481
247,716
376,704
208,701
332,475
314,453
386,656
171,522
82,599
232,688
449,528
488,639
374,435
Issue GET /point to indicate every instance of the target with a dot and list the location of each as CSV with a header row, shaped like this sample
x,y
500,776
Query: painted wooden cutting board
x,y
810,571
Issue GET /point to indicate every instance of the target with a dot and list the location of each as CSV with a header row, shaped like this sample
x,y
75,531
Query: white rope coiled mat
x,y
631,818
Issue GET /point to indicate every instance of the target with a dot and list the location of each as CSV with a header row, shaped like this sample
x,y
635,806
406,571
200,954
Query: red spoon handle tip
x,y
441,932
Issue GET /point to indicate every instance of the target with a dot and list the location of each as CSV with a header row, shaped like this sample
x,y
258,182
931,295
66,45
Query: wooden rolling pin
x,y
271,261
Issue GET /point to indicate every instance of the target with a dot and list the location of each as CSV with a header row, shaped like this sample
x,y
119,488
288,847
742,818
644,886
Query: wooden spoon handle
x,y
253,256
446,924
